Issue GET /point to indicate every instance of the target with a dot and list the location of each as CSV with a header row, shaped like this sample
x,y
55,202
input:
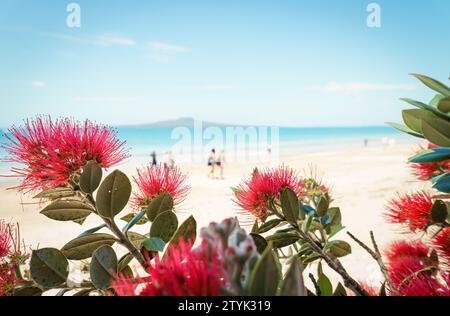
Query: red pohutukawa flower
x,y
152,181
255,194
413,271
442,244
412,210
10,256
426,171
51,152
182,272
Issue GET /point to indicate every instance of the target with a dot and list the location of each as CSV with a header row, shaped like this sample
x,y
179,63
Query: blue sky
x,y
295,63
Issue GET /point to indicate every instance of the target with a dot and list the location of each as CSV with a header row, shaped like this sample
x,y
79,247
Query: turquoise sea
x,y
142,141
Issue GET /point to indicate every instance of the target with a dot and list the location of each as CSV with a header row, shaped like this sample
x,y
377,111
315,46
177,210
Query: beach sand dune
x,y
362,182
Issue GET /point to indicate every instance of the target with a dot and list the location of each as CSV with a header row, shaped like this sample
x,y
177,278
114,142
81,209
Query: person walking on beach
x,y
211,163
220,163
169,161
154,162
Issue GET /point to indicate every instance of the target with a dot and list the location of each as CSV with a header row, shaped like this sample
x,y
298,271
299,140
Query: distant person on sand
x,y
366,142
171,160
220,162
154,162
211,163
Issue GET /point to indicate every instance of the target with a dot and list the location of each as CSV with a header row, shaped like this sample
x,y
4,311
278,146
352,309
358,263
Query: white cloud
x,y
103,40
38,84
111,39
165,47
354,87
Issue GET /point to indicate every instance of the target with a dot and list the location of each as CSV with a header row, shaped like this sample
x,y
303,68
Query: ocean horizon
x,y
142,141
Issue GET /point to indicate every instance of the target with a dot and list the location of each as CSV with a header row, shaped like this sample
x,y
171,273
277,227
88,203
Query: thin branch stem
x,y
375,255
331,260
334,264
316,286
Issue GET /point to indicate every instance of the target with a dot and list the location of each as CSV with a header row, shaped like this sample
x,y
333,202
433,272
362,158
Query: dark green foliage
x,y
83,247
113,194
48,267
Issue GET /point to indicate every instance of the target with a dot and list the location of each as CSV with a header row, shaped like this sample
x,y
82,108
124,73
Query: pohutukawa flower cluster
x,y
12,256
411,210
183,271
154,180
263,187
52,153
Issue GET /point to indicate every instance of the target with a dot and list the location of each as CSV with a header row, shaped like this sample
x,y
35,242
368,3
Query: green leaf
x,y
437,131
164,226
132,216
439,212
283,239
265,227
55,193
91,177
322,206
413,118
260,242
92,230
311,258
160,203
336,229
136,239
444,105
435,101
433,84
404,129
48,267
431,155
336,217
307,223
293,284
137,219
82,247
67,210
103,267
154,244
187,231
290,205
113,194
263,280
325,286
443,183
340,290
255,227
80,221
28,290
124,261
427,107
339,248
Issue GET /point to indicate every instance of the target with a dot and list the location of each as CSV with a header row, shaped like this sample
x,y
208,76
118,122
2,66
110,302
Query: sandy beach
x,y
362,182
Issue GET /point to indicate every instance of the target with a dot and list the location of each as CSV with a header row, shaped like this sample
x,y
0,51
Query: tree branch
x,y
375,255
